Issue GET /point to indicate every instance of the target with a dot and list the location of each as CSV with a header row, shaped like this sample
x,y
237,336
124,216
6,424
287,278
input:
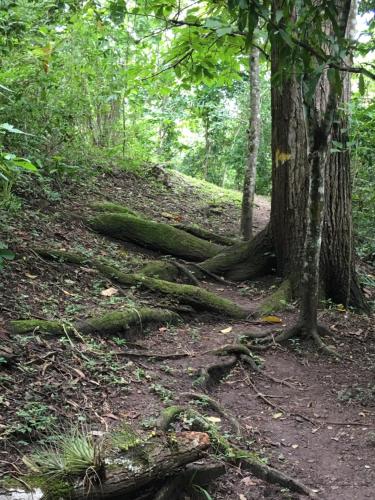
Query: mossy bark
x,y
194,296
207,235
155,235
165,457
278,300
245,260
116,322
161,270
108,206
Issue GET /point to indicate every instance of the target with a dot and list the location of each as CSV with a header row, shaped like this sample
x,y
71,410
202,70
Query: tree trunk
x,y
253,147
290,187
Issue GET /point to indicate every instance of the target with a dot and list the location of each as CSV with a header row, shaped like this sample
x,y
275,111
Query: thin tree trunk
x,y
253,147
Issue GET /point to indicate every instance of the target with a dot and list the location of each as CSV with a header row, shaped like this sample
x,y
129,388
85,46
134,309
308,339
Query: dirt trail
x,y
315,420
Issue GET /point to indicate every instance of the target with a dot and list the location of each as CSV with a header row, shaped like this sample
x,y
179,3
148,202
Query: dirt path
x,y
315,420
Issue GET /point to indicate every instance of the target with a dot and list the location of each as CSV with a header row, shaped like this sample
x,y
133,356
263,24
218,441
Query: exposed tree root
x,y
214,276
298,330
108,206
278,300
117,322
194,296
236,427
211,374
156,235
244,260
207,235
237,456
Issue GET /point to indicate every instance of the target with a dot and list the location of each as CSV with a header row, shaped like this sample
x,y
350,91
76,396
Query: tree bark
x,y
290,188
253,147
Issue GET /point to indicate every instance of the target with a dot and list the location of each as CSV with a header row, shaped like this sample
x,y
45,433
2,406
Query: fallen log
x,y
155,235
194,296
127,323
127,472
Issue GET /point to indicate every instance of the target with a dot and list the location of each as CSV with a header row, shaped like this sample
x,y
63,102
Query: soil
x,y
304,413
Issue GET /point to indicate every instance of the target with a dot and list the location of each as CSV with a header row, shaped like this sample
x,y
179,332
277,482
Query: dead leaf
x,y
247,481
271,319
109,292
31,276
242,497
214,420
67,293
79,372
226,330
277,415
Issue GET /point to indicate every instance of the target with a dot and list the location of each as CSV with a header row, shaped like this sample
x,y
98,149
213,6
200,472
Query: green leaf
x,y
9,128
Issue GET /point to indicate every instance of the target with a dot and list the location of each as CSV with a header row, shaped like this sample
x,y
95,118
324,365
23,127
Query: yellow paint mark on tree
x,y
282,157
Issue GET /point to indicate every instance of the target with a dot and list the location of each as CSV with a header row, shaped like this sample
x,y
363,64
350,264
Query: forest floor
x,y
308,414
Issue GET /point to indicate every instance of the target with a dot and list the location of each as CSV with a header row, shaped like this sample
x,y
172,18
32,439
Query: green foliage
x,y
363,161
72,455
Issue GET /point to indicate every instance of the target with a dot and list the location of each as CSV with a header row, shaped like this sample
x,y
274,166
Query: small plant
x,y
33,418
164,394
72,455
125,438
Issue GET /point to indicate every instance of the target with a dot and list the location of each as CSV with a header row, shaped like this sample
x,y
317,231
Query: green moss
x,y
197,297
40,326
107,206
161,270
155,235
278,300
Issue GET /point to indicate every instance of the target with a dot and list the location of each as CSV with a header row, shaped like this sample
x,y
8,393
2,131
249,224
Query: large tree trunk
x,y
290,194
253,146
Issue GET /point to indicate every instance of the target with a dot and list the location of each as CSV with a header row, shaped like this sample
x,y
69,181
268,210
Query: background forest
x,y
90,87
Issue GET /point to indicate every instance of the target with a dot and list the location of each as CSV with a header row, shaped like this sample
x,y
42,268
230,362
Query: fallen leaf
x,y
31,276
277,415
68,293
214,420
271,319
109,292
247,481
242,497
79,373
295,446
226,330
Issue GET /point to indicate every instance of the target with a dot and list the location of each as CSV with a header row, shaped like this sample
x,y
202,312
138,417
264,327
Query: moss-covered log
x,y
207,235
162,270
116,322
194,296
245,260
108,206
155,235
128,474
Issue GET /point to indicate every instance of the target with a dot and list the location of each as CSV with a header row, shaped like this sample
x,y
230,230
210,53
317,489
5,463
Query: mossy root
x,y
155,235
117,322
191,295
